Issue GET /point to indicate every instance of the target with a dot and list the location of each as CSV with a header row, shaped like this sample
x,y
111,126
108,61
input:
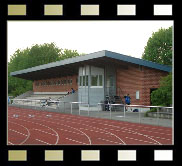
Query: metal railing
x,y
139,110
160,118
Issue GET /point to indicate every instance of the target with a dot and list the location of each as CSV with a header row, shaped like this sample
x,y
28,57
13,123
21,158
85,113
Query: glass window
x,y
59,82
83,80
65,82
100,80
62,82
80,80
70,81
94,80
86,80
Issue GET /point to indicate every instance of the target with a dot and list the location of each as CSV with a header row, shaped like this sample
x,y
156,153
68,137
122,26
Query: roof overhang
x,y
70,66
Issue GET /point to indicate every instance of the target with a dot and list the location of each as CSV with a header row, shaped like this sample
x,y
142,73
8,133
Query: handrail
x,y
143,106
55,101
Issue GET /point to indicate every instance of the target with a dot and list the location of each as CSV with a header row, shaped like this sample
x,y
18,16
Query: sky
x,y
125,37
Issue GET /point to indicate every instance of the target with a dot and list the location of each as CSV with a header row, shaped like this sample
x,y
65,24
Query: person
x,y
127,100
72,90
9,101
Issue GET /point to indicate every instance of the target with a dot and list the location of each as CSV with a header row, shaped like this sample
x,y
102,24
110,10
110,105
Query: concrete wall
x,y
70,98
24,95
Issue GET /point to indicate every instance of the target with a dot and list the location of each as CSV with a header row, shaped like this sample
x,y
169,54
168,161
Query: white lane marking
x,y
112,126
41,125
70,131
76,141
102,120
90,142
69,127
25,129
134,132
42,141
110,141
139,140
44,132
18,132
84,133
162,138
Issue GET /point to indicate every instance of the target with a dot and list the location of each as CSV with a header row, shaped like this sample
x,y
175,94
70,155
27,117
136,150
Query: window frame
x,y
98,81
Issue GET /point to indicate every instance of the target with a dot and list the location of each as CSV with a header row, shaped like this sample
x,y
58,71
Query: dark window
x,y
86,81
100,80
83,80
80,80
68,82
65,82
94,80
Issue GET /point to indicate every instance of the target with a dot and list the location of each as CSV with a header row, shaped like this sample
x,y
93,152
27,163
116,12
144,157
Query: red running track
x,y
32,127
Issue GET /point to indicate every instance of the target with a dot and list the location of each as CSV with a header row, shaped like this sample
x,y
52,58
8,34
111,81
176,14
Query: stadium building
x,y
95,76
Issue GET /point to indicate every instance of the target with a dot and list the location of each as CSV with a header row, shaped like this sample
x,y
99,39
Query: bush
x,y
163,95
151,110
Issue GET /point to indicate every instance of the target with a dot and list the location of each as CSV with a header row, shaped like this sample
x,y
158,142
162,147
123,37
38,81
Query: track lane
x,y
96,128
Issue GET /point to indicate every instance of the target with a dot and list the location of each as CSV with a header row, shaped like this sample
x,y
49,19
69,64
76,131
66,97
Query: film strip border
x,y
90,155
89,9
119,10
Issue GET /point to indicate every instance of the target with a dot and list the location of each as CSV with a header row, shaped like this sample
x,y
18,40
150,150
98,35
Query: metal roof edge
x,y
138,61
61,62
94,55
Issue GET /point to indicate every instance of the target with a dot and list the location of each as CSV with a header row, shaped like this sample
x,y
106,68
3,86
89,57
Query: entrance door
x,y
110,85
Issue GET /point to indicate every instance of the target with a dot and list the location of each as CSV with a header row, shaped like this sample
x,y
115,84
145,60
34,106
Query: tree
x,y
163,95
159,47
159,50
30,57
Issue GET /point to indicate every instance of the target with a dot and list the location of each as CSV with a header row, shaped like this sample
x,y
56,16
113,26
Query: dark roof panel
x,y
138,61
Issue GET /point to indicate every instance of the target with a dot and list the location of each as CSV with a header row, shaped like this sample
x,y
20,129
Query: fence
x,y
162,116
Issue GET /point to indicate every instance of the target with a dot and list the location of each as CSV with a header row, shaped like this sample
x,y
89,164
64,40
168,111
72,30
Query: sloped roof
x,y
70,66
